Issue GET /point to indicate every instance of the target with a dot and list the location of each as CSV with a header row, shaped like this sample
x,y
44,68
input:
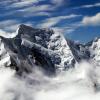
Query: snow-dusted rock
x,y
54,43
94,48
31,47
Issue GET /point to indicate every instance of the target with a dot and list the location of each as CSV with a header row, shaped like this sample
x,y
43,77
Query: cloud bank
x,y
75,84
92,20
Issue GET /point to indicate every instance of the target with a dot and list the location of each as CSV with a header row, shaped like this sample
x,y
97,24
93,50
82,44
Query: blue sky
x,y
78,20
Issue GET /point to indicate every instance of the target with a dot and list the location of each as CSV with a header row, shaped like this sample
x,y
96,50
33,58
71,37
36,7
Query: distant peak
x,y
21,26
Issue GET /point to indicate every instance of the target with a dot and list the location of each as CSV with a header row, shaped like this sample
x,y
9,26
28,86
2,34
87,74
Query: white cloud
x,y
89,6
92,20
30,12
7,34
18,3
41,14
57,2
26,8
74,84
50,22
35,10
23,3
9,25
8,28
38,8
71,27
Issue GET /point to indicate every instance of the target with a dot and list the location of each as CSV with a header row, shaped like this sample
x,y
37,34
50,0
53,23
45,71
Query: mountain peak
x,y
45,48
37,47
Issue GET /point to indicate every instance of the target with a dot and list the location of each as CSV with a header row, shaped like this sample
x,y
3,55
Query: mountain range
x,y
46,49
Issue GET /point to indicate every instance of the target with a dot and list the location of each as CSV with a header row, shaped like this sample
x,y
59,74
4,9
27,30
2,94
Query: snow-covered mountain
x,y
45,48
40,64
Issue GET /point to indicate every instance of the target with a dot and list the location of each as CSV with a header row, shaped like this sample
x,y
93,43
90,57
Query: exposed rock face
x,y
32,47
45,48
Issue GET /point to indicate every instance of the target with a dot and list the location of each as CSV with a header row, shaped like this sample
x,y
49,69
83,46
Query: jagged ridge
x,y
42,47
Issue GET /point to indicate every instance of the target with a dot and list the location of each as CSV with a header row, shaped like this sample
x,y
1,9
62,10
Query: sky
x,y
78,20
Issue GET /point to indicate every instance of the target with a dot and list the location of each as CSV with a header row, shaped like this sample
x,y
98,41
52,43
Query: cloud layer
x,y
92,20
75,84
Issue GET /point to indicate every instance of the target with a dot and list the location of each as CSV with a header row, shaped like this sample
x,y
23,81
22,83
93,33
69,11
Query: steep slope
x,y
49,50
94,49
31,47
80,51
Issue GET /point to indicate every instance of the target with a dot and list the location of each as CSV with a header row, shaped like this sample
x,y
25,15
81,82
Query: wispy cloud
x,y
23,9
50,22
63,30
7,34
91,20
9,25
36,8
15,12
88,6
27,9
57,2
24,3
72,27
18,3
